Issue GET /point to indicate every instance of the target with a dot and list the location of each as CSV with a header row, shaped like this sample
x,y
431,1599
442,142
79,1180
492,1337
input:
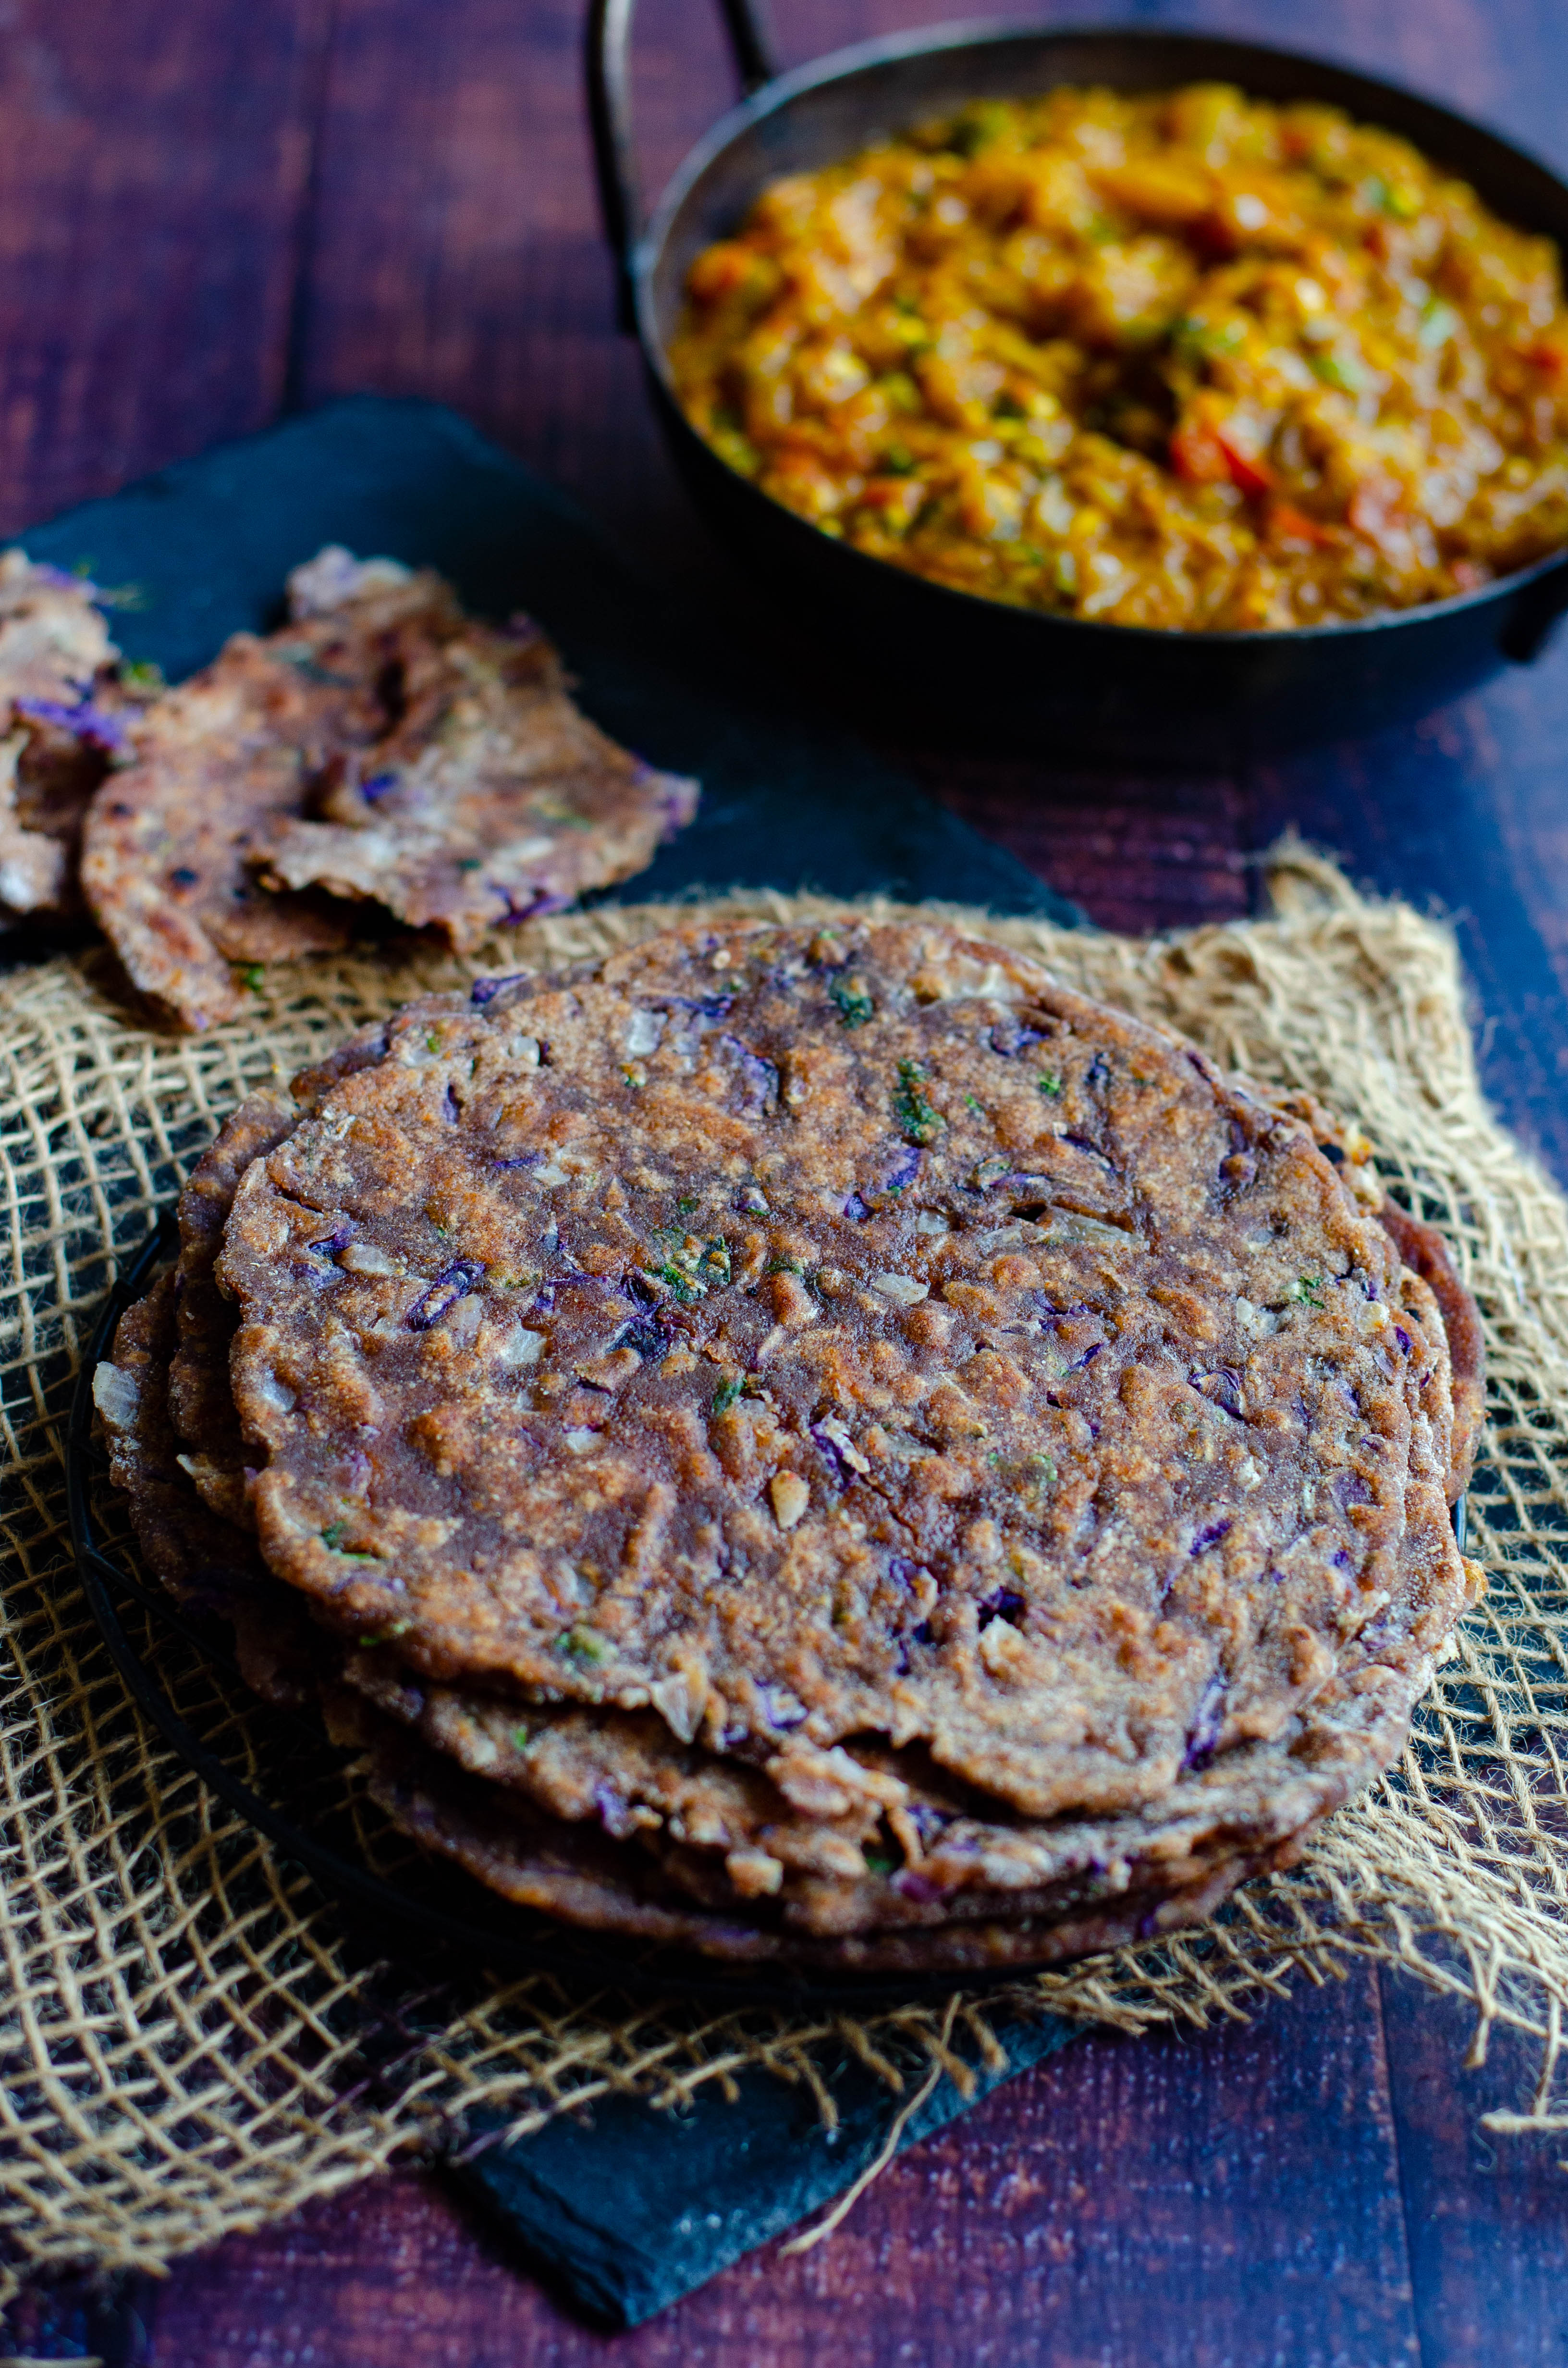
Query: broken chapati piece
x,y
381,749
495,799
65,701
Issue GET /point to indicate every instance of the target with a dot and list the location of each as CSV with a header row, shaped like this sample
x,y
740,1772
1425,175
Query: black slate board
x,y
634,2207
631,2209
788,801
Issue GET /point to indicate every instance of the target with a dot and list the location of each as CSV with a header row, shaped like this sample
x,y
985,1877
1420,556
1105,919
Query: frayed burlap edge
x,y
188,2047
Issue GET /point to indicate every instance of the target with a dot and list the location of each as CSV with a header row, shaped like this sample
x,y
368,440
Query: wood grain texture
x,y
1040,2229
153,170
1309,2189
1483,2217
208,212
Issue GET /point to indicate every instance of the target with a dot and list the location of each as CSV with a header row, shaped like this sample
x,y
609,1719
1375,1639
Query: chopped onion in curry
x,y
1186,359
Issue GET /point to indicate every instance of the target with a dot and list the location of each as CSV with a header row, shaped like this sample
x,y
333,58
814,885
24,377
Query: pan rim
x,y
983,34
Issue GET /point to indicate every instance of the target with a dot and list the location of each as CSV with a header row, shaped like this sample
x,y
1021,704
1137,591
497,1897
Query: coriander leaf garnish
x,y
851,1002
332,1537
683,1285
917,1116
690,1268
588,1650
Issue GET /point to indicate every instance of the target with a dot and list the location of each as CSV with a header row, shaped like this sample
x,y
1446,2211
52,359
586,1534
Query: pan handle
x,y
610,111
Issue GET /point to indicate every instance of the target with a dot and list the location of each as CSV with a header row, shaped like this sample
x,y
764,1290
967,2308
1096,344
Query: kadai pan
x,y
1121,693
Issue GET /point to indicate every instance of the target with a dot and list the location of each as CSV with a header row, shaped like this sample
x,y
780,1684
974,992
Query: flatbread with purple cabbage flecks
x,y
166,847
813,1335
63,711
492,799
576,1875
380,748
776,1846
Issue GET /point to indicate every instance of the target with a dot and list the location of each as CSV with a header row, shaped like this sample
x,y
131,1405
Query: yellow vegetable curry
x,y
1184,359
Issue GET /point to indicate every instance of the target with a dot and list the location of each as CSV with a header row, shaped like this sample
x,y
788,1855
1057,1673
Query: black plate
x,y
1126,693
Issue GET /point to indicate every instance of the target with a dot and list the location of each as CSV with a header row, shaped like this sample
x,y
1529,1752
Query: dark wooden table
x,y
211,211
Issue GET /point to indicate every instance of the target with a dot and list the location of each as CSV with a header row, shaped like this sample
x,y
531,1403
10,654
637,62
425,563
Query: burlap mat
x,y
189,2043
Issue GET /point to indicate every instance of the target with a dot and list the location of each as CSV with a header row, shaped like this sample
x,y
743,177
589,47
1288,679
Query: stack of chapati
x,y
813,1444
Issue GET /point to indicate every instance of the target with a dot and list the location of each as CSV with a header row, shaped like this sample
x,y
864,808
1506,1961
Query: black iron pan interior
x,y
1122,692
450,1920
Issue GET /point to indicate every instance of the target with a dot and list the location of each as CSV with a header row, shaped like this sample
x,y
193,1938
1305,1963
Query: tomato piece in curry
x,y
1185,360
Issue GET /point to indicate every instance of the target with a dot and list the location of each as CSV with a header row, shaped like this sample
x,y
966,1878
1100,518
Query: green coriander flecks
x,y
685,1286
917,1116
332,1537
850,999
588,1650
1031,1476
689,1267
